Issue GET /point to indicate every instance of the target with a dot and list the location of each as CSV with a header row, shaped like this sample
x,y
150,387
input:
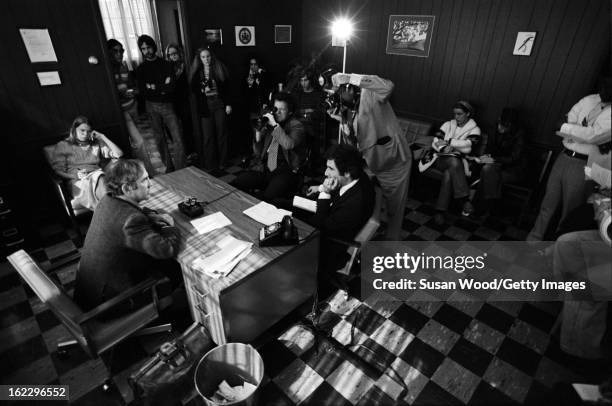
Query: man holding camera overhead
x,y
280,145
368,121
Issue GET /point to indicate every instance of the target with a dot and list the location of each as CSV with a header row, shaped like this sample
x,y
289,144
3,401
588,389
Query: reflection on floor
x,y
371,352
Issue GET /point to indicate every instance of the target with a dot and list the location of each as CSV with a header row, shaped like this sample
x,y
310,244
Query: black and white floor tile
x,y
371,352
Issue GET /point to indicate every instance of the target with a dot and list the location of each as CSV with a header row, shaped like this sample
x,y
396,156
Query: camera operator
x,y
367,121
280,146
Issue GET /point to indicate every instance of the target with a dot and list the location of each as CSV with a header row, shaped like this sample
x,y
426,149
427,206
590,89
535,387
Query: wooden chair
x,y
539,158
62,190
364,235
93,335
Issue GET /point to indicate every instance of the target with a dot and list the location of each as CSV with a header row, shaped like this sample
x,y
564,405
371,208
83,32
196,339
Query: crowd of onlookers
x,y
289,139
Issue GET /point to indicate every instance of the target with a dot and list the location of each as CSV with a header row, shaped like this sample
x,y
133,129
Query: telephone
x,y
283,233
191,207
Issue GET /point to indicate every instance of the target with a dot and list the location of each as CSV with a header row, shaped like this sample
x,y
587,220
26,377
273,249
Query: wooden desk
x,y
265,286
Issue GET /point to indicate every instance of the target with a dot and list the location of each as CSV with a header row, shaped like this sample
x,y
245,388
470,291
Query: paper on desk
x,y
266,213
588,393
223,261
211,222
306,204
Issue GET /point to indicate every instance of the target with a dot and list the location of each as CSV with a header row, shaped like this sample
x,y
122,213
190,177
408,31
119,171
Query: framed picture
x,y
410,35
282,34
213,36
245,35
524,43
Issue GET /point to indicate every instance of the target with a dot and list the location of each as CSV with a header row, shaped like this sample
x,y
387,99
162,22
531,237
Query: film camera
x,y
344,95
260,122
191,207
205,83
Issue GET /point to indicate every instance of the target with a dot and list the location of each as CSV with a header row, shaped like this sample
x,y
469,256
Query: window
x,y
125,20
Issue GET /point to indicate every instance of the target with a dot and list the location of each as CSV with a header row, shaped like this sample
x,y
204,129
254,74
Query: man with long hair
x,y
156,84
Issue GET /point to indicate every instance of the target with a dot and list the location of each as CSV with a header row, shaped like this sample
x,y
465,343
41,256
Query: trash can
x,y
234,363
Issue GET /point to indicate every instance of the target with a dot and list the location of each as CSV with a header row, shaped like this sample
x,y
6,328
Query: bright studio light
x,y
342,28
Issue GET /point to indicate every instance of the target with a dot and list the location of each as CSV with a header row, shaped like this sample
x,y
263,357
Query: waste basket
x,y
233,362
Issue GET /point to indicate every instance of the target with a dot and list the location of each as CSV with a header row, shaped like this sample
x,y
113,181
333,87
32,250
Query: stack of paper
x,y
226,393
266,213
223,261
211,222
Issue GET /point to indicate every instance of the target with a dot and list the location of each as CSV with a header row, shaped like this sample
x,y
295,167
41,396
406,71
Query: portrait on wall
x,y
245,36
282,34
213,36
410,35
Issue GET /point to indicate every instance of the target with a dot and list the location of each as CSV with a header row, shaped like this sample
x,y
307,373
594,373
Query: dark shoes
x,y
468,209
439,219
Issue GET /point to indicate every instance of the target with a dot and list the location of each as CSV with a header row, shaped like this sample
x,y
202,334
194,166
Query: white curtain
x,y
125,21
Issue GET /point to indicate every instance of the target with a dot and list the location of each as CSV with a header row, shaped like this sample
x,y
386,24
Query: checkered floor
x,y
375,352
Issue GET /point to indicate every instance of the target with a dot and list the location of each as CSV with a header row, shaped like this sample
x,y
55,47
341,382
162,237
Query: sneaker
x,y
468,209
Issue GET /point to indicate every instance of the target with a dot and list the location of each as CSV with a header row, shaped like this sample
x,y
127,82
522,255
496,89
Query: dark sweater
x,y
123,247
155,73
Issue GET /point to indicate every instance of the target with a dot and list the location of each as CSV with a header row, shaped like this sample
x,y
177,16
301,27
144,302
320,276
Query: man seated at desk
x,y
344,204
282,149
125,244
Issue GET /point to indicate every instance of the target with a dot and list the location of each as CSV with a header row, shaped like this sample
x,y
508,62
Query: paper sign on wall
x,y
38,44
49,78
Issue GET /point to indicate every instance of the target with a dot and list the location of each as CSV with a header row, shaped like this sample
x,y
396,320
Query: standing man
x,y
125,243
587,126
126,87
156,83
369,122
281,146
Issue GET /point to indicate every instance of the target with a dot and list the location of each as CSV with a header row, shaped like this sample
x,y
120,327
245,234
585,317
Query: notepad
x,y
266,214
211,222
305,204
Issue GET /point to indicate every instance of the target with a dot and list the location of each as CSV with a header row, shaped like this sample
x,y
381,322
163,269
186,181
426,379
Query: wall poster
x,y
410,35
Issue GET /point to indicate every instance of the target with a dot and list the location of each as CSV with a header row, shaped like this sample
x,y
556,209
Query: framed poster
x,y
245,35
524,43
410,35
213,36
282,34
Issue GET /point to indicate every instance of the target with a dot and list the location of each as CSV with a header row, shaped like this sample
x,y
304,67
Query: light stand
x,y
342,29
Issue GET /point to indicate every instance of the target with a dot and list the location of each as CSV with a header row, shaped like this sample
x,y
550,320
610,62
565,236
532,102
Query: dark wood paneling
x,y
471,56
34,116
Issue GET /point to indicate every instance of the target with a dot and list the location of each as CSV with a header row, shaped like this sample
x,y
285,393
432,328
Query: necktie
x,y
273,155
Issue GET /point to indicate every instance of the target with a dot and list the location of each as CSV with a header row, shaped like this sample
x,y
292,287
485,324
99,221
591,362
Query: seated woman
x,y
78,159
503,162
452,143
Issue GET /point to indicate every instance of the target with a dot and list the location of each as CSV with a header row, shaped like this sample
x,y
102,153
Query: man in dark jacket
x,y
344,204
156,84
281,145
125,244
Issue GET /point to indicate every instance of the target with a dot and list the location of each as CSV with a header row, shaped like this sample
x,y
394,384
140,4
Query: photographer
x,y
280,146
367,121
